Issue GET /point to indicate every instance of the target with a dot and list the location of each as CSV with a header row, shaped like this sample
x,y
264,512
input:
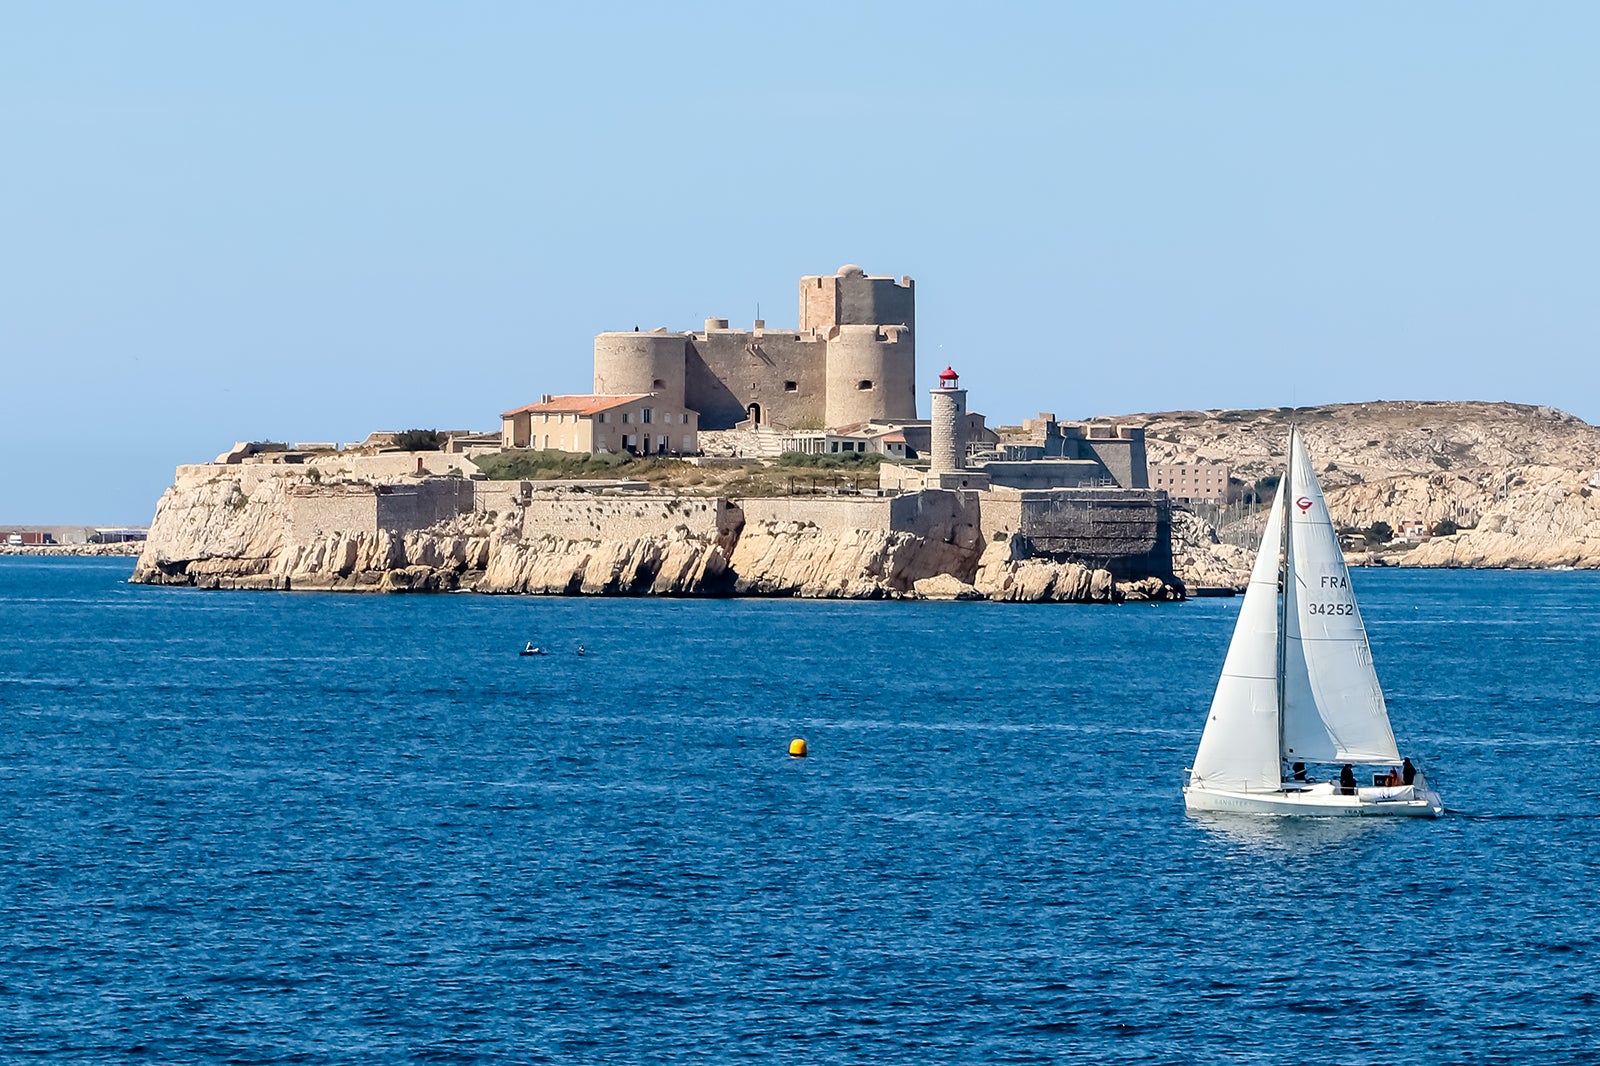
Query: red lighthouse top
x,y
947,379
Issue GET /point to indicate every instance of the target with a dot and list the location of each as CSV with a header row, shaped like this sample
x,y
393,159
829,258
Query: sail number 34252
x,y
1345,608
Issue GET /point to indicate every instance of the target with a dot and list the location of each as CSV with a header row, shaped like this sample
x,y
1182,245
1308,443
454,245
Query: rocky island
x,y
1484,484
338,522
1468,484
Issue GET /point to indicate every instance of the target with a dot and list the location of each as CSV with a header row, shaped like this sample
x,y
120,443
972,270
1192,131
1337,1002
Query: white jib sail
x,y
1239,747
1333,706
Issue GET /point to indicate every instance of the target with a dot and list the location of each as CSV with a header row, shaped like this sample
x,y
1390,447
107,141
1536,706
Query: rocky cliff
x,y
236,527
1520,482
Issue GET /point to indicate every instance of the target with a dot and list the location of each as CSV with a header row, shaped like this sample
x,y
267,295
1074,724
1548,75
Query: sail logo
x,y
1304,504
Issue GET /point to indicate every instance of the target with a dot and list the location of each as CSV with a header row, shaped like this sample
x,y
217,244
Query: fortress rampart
x,y
239,527
1127,533
573,516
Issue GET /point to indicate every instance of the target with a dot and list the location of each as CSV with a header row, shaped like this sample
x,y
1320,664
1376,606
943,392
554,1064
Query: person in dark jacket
x,y
1347,780
1408,773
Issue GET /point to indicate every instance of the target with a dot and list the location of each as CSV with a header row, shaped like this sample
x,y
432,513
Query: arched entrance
x,y
754,411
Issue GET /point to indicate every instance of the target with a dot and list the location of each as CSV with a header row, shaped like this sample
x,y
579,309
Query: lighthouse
x,y
948,425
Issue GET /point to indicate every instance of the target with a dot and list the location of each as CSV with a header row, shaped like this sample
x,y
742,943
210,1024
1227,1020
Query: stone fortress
x,y
1044,511
852,360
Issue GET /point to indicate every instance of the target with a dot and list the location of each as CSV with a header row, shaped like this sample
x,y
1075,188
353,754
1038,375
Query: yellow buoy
x,y
797,748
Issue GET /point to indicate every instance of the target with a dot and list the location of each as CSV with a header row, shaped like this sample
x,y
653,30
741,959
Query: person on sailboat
x,y
1347,780
1394,777
1299,771
1408,773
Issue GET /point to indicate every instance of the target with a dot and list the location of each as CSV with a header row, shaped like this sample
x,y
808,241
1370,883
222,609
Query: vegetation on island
x,y
792,473
419,440
841,461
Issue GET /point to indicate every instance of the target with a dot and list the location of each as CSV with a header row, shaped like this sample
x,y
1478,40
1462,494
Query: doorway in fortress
x,y
754,411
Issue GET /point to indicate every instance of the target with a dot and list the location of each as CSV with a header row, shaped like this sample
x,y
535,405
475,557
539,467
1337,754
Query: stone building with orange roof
x,y
636,423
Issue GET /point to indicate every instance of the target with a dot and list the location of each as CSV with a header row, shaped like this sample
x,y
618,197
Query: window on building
x,y
601,417
865,384
627,416
658,384
646,413
791,386
835,447
683,419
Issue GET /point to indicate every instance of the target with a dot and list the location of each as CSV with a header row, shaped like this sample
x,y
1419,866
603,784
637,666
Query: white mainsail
x,y
1239,747
1333,708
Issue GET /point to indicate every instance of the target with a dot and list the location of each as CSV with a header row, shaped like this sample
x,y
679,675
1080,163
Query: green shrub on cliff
x,y
562,466
419,440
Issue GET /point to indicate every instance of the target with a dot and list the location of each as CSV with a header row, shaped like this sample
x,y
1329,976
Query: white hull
x,y
1322,801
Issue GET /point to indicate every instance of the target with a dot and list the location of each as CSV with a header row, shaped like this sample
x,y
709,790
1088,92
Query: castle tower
x,y
948,427
870,375
869,325
637,362
852,297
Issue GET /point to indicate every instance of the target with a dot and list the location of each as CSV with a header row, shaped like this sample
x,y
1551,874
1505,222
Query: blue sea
x,y
324,828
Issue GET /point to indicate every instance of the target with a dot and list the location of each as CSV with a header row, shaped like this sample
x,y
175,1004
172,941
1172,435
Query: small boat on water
x,y
531,650
1298,685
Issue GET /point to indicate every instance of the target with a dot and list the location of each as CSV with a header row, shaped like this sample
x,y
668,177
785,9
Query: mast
x,y
1285,575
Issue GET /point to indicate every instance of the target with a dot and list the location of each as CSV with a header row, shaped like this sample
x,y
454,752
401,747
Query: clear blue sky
x,y
308,221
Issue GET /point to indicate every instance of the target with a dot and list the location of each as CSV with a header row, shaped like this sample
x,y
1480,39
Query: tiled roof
x,y
577,405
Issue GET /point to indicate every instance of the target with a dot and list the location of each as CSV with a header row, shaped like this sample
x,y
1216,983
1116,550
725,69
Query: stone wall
x,y
832,515
315,512
388,465
1044,473
731,368
579,516
402,508
1127,533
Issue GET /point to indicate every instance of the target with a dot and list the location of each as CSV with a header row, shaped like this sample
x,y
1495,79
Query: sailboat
x,y
1298,686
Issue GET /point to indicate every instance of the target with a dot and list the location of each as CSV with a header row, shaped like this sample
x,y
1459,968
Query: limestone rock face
x,y
1518,480
1551,519
1004,575
215,533
437,559
676,565
1200,560
795,559
945,587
